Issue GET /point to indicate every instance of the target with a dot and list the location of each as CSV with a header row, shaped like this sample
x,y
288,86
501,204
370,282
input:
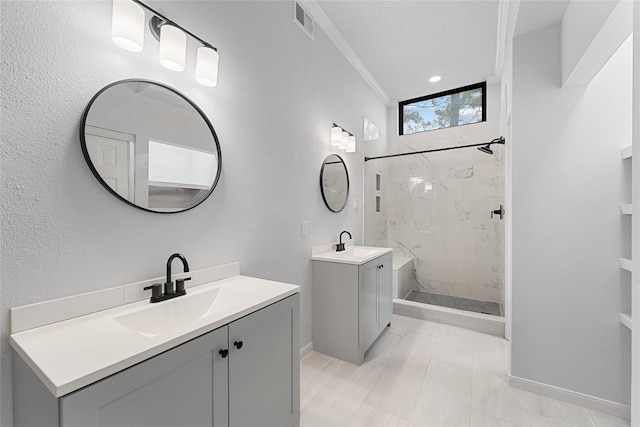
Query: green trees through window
x,y
456,107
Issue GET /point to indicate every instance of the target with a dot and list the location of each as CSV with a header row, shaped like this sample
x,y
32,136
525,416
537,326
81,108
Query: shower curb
x,y
485,323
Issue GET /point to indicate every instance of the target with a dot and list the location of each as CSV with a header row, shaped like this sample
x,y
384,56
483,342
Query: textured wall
x,y
568,183
278,93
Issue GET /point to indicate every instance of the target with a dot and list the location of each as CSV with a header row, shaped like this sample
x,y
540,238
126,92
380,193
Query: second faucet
x,y
340,246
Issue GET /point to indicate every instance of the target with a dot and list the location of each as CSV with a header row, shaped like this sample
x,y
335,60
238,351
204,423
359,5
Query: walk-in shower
x,y
437,209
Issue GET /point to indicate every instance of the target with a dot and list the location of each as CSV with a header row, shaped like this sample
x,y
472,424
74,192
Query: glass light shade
x,y
173,47
344,141
127,25
351,144
336,136
207,67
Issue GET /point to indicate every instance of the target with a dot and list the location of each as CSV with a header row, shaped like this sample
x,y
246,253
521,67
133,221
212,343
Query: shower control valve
x,y
498,212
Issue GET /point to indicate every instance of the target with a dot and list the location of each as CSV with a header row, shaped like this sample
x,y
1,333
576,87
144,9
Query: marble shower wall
x,y
436,208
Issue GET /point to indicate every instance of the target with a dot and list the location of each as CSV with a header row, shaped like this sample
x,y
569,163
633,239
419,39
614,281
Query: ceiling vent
x,y
303,19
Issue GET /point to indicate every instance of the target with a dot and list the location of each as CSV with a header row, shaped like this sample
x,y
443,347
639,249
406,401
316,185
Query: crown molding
x,y
343,46
501,39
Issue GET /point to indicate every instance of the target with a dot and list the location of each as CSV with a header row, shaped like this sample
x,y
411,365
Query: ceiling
x,y
402,43
533,15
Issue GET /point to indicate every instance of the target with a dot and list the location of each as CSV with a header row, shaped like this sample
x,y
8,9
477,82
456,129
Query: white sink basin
x,y
352,255
358,252
157,318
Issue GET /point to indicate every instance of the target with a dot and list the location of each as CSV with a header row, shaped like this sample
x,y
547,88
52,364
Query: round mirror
x,y
334,183
150,146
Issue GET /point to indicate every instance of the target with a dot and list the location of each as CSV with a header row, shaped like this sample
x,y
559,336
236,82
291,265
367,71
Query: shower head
x,y
486,149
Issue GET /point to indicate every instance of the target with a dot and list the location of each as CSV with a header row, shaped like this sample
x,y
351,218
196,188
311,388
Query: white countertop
x,y
74,353
357,255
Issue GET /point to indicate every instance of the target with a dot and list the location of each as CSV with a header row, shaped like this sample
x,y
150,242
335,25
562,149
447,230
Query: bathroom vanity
x,y
227,354
352,302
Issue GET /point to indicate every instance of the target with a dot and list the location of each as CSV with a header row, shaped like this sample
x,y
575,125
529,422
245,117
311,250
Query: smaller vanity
x,y
352,302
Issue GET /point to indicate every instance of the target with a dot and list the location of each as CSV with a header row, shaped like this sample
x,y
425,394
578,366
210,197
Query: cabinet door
x,y
385,300
184,386
264,371
368,303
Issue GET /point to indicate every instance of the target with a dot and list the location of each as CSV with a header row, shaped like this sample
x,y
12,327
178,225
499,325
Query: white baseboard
x,y
572,397
304,351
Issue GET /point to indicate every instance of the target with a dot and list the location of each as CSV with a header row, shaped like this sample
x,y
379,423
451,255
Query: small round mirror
x,y
150,146
334,183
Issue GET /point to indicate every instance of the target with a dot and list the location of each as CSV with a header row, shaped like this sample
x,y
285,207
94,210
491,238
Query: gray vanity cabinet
x,y
257,383
185,386
351,305
264,374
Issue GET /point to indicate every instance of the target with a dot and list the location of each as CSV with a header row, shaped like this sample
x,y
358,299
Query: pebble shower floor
x,y
466,304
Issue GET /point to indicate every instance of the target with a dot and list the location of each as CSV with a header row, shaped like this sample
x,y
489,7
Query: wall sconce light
x,y
336,135
127,26
127,31
207,66
173,47
351,144
343,139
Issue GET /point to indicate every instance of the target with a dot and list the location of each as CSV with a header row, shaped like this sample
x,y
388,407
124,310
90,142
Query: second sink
x,y
352,255
363,252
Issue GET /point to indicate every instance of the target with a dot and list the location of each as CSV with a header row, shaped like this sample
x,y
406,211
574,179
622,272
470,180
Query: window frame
x,y
401,105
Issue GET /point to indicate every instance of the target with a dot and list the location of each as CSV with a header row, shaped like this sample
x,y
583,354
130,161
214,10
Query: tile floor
x,y
424,374
460,303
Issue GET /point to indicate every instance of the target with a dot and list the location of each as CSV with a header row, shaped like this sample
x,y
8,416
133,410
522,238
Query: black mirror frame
x,y
324,198
85,152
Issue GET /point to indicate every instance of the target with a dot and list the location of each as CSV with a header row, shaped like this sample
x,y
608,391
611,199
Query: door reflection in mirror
x,y
112,155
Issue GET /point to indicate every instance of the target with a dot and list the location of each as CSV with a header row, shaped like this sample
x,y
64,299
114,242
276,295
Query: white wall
x,y
278,94
581,23
568,182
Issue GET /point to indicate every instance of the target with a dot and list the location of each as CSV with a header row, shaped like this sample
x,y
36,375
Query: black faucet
x,y
169,291
340,246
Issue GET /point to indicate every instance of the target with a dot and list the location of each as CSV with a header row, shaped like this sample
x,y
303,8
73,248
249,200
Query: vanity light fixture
x,y
127,31
343,139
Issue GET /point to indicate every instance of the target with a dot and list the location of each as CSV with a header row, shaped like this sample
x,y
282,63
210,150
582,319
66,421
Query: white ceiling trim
x,y
501,42
343,46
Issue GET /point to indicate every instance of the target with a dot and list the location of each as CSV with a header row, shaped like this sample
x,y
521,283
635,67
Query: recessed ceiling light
x,y
435,79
